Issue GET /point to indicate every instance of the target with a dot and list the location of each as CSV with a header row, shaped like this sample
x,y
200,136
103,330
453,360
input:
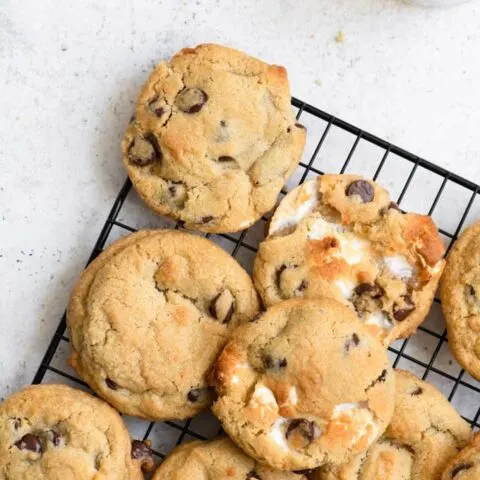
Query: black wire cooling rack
x,y
332,146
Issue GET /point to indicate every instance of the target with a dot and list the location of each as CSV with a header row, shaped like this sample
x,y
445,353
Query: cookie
x,y
218,459
57,432
460,293
213,138
424,434
304,384
340,236
466,465
149,316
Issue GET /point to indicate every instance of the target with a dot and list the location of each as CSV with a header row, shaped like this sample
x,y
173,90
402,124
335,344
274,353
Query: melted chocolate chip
x,y
223,123
141,452
145,150
362,189
253,475
374,291
56,437
111,384
400,313
29,442
191,100
177,193
353,341
271,363
461,468
299,125
303,286
206,219
194,394
308,430
278,274
17,423
225,159
417,391
223,306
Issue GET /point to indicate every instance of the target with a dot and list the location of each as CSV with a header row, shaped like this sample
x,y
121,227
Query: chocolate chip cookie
x,y
460,292
340,236
213,138
217,460
466,465
304,384
424,434
149,316
57,432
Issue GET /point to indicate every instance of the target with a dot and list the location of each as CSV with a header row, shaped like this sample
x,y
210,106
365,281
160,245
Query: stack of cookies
x,y
165,324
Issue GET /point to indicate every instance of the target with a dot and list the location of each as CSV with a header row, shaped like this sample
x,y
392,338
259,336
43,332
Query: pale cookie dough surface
x,y
213,138
55,432
424,435
219,459
340,236
303,385
460,291
466,465
149,316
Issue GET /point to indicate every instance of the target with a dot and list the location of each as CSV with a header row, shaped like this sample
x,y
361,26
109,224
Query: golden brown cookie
x,y
219,459
55,432
149,316
213,139
304,384
460,292
466,465
340,236
424,434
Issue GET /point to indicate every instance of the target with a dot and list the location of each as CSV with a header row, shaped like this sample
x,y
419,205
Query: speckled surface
x,y
69,73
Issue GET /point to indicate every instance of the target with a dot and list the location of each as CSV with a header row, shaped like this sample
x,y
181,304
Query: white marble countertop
x,y
69,73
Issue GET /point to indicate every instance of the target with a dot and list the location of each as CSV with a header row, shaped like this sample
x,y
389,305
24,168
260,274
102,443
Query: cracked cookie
x,y
304,384
460,292
217,460
340,236
56,432
213,138
466,465
424,434
149,316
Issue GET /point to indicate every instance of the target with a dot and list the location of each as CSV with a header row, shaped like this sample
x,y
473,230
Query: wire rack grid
x,y
333,146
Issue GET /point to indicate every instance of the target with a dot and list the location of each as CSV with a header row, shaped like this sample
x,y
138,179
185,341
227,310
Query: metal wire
x,y
187,430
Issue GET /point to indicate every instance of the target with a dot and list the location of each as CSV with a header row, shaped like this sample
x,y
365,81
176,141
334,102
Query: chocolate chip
x,y
141,452
362,189
309,474
159,111
307,430
17,423
299,125
29,442
226,158
145,150
271,363
393,206
400,313
223,123
191,100
111,384
353,341
253,475
374,291
303,286
278,274
206,219
194,394
417,391
461,468
223,306
178,193
56,437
